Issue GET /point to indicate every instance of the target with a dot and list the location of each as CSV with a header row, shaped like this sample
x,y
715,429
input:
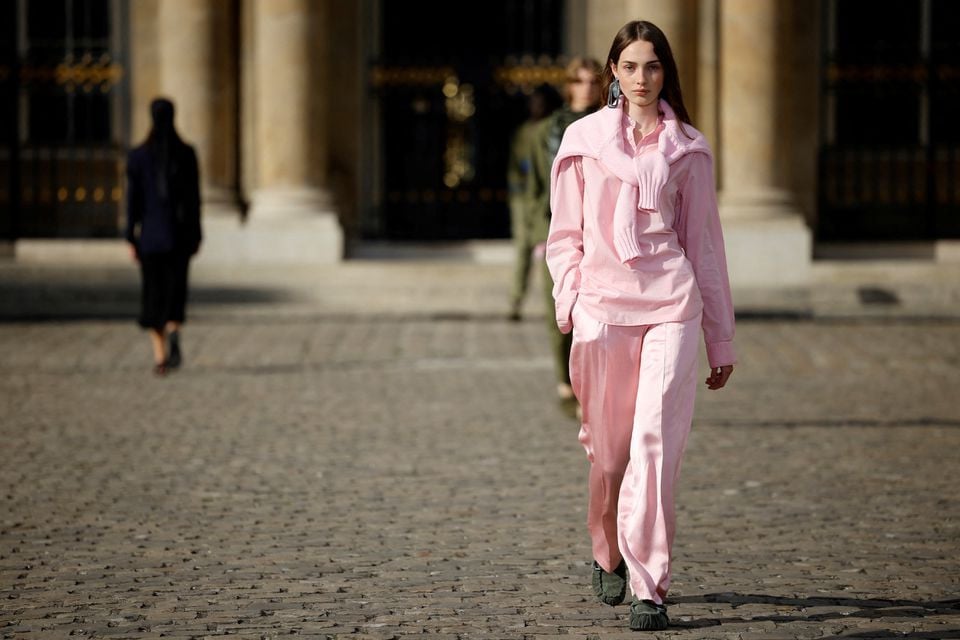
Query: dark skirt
x,y
163,296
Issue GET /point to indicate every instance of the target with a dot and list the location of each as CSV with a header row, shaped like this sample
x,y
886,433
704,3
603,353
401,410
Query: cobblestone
x,y
326,473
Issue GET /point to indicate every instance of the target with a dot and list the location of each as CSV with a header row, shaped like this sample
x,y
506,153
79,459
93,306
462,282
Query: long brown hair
x,y
649,32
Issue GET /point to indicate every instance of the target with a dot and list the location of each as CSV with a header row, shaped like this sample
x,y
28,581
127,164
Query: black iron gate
x,y
449,81
890,141
63,106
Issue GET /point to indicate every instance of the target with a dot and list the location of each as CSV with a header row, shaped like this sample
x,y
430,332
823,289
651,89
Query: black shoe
x,y
647,615
174,359
610,588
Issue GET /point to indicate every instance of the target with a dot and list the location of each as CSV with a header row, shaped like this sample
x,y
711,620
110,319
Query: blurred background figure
x,y
582,97
529,227
163,230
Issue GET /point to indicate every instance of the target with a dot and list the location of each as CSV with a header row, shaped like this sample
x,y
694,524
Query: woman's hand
x,y
133,252
719,376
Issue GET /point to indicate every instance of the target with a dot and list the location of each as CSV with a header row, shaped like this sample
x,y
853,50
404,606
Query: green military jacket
x,y
519,165
545,142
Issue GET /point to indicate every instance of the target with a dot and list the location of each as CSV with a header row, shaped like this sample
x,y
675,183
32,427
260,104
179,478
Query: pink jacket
x,y
635,233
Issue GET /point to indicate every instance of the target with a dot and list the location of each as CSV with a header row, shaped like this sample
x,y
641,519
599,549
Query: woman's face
x,y
640,73
585,90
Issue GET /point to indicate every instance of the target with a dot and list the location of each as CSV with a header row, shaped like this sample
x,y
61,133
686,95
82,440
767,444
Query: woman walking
x,y
637,259
163,229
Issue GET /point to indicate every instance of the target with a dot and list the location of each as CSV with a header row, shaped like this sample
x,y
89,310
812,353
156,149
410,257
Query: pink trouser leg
x,y
604,374
664,411
636,386
603,363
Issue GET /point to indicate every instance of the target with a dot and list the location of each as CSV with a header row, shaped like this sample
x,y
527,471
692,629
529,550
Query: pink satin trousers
x,y
636,386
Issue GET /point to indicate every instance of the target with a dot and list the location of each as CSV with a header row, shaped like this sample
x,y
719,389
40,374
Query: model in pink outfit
x,y
636,253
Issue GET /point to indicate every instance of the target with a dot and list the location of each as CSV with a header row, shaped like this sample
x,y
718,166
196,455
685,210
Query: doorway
x,y
63,113
448,83
890,140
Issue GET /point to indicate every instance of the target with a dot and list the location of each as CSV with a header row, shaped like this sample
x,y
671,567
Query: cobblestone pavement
x,y
375,476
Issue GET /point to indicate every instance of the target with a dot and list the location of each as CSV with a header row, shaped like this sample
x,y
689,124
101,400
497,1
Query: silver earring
x,y
613,96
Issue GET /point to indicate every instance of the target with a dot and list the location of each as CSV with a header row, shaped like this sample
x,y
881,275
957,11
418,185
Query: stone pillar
x,y
706,114
144,67
198,70
292,214
767,240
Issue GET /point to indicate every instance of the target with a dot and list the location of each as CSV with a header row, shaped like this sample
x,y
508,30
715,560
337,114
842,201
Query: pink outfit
x,y
636,254
627,264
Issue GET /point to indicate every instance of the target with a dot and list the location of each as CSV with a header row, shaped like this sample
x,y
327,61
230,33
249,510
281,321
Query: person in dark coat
x,y
163,229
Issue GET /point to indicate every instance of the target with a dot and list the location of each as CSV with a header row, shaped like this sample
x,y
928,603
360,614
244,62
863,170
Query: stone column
x,y
292,211
198,70
144,65
706,114
768,242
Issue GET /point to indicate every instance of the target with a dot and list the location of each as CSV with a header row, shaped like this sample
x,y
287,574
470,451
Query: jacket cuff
x,y
564,308
625,242
721,354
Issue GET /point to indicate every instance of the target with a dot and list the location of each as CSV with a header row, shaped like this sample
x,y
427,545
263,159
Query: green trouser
x,y
523,244
560,342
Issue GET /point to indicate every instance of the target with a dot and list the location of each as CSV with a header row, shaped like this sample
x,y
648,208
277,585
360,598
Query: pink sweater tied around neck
x,y
643,176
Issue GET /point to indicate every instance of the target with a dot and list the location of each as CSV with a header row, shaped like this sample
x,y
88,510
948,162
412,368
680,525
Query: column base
x,y
947,251
289,203
220,202
767,252
283,226
768,243
758,204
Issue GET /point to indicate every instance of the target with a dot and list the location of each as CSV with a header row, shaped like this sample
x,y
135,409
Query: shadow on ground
x,y
64,301
872,609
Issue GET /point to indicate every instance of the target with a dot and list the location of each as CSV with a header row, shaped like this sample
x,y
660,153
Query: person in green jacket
x,y
582,95
527,229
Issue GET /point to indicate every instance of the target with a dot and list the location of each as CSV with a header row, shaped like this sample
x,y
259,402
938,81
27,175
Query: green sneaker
x,y
610,588
647,615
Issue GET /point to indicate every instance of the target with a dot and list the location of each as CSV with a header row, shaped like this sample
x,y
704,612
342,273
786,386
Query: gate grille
x,y
890,152
63,100
446,103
